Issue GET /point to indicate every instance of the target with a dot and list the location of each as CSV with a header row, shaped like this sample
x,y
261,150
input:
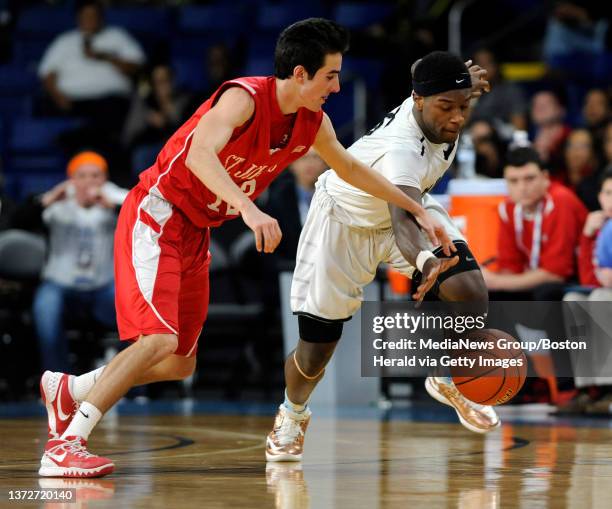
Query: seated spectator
x,y
87,70
596,114
154,117
539,231
505,103
550,129
595,271
87,73
575,28
80,215
289,200
489,149
580,164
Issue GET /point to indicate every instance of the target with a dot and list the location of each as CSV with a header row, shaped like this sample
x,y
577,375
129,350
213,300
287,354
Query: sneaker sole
x,y
283,457
49,471
442,399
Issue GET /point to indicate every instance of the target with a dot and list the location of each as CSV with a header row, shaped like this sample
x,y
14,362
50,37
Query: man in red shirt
x,y
540,228
209,171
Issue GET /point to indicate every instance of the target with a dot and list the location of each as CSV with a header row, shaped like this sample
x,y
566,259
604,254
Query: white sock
x,y
83,422
294,407
81,385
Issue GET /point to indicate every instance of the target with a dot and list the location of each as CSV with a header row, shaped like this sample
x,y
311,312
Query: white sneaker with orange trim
x,y
70,458
475,417
286,440
57,398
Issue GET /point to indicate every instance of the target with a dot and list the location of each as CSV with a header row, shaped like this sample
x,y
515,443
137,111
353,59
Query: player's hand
x,y
479,79
267,232
431,270
594,222
56,193
436,233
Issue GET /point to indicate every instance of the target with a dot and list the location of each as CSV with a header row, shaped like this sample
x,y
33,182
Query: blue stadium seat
x,y
202,19
361,15
140,22
44,21
28,52
189,73
262,46
273,16
17,80
368,69
38,135
259,66
15,106
36,183
191,46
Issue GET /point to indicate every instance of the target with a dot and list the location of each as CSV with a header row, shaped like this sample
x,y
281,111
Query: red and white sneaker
x,y
61,405
69,458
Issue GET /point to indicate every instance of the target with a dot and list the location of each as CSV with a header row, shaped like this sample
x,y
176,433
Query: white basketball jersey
x,y
397,149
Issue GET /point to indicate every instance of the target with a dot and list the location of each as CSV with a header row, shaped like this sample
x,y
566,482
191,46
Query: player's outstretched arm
x,y
359,175
212,133
411,244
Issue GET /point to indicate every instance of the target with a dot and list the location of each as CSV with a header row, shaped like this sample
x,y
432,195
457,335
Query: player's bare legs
x,y
128,366
312,359
67,456
304,369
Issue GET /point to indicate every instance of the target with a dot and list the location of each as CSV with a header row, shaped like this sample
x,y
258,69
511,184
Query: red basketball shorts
x,y
161,271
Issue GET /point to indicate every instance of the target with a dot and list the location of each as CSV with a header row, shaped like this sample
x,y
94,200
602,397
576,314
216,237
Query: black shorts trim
x,y
321,319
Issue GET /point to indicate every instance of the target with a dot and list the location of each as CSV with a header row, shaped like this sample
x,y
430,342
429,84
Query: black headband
x,y
444,84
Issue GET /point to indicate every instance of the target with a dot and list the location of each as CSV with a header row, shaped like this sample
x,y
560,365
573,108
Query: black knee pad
x,y
467,262
319,330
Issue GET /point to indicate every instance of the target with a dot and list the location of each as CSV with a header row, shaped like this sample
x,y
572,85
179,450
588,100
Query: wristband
x,y
422,257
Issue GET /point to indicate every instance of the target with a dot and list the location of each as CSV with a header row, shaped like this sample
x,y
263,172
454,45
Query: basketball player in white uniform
x,y
348,233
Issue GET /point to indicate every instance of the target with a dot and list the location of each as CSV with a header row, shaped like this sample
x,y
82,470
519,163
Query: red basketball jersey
x,y
248,158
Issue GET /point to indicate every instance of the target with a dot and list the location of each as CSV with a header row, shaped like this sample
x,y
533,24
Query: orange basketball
x,y
499,370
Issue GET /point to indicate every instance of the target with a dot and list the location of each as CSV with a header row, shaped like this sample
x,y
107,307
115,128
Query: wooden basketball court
x,y
363,459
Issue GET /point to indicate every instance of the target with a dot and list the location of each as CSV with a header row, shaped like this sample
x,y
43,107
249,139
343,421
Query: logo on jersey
x,y
298,149
233,161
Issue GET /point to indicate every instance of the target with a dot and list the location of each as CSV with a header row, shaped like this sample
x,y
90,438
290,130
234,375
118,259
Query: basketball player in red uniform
x,y
209,171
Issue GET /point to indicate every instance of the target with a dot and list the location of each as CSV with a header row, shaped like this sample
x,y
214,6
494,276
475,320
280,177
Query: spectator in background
x,y
289,201
154,117
489,149
87,72
595,271
576,28
219,68
550,129
539,231
80,215
580,165
596,114
505,103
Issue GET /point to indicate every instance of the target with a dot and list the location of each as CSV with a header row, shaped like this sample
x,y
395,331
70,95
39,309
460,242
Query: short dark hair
x,y
520,156
606,174
306,43
438,65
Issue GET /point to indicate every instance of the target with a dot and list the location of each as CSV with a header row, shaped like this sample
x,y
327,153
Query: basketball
x,y
499,370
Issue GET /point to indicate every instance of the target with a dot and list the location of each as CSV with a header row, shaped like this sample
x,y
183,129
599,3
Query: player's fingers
x,y
431,234
258,239
447,244
425,286
448,263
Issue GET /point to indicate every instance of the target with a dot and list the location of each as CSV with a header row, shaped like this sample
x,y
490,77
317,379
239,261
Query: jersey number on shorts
x,y
247,187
